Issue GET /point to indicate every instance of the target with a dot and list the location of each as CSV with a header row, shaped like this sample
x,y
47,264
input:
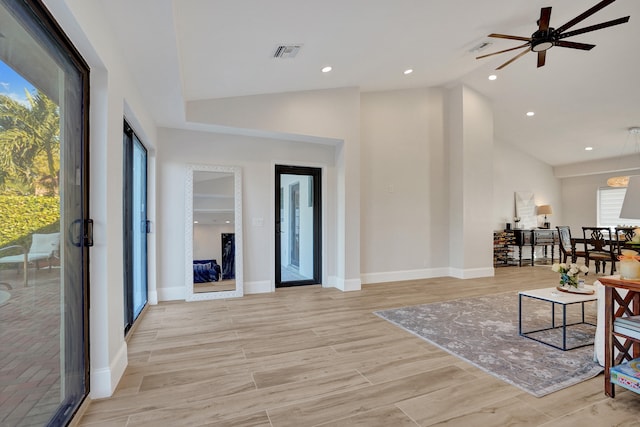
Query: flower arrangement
x,y
569,273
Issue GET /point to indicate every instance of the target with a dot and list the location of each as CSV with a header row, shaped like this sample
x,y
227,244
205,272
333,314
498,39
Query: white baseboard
x,y
105,380
171,294
267,286
259,287
426,273
398,276
331,282
152,297
346,285
472,273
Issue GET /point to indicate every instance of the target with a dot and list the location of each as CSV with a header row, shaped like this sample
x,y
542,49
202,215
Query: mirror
x,y
213,232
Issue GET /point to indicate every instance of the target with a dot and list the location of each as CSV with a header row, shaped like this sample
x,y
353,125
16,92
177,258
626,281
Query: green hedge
x,y
20,216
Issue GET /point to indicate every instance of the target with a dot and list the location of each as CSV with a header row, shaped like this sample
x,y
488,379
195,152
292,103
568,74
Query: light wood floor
x,y
309,356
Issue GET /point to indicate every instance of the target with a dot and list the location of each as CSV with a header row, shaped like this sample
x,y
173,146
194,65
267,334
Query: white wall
x,y
330,115
513,171
469,126
257,158
207,241
403,190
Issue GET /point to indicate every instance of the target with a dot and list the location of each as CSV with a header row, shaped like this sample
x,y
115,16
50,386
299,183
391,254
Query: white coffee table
x,y
555,296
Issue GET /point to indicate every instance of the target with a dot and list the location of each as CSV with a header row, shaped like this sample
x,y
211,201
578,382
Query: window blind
x,y
609,204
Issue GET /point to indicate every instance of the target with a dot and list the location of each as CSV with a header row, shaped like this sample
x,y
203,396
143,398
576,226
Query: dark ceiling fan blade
x,y
584,15
506,36
502,51
545,15
574,45
513,59
594,27
542,57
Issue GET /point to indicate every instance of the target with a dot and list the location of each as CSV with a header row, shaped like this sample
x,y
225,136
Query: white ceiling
x,y
184,50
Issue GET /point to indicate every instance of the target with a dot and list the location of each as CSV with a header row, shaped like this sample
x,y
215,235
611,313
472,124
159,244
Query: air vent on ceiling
x,y
481,46
287,51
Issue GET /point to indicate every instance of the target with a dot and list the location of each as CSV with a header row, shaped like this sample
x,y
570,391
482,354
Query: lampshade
x,y
631,204
544,210
618,181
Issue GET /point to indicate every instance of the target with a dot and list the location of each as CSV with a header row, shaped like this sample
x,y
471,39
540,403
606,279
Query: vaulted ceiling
x,y
185,50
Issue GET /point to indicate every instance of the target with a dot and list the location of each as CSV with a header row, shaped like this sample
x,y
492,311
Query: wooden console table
x,y
503,240
536,237
628,346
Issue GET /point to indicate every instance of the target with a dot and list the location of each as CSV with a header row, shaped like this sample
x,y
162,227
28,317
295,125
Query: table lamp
x,y
545,210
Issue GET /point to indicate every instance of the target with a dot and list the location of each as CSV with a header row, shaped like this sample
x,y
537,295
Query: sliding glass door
x,y
44,230
135,226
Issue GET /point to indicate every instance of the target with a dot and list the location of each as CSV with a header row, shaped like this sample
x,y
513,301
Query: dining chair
x,y
568,246
623,235
599,247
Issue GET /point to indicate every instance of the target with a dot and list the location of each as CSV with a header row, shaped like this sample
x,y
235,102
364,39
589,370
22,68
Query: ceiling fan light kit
x,y
546,37
542,40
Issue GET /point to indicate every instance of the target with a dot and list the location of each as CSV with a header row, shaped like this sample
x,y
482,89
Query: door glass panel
x,y
135,226
139,227
43,311
296,251
297,226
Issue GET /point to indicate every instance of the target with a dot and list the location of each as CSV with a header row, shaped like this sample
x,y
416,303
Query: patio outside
x,y
29,347
30,304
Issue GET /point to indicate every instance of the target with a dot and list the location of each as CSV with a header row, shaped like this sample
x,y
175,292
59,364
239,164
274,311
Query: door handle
x,y
88,233
81,232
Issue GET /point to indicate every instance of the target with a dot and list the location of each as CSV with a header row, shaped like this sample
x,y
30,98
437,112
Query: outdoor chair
x,y
43,247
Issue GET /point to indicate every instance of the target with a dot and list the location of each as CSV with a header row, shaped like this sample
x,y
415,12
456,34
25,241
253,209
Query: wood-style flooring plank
x,y
507,412
623,411
311,356
347,404
259,419
202,409
388,416
473,396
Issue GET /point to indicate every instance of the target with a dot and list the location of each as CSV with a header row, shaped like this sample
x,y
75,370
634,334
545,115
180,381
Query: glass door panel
x,y
139,227
43,214
135,226
297,225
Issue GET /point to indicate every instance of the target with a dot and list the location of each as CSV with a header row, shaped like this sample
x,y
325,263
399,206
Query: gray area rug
x,y
484,332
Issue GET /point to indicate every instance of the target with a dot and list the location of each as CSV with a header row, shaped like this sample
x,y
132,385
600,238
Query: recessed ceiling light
x,y
588,148
409,71
531,114
493,77
326,69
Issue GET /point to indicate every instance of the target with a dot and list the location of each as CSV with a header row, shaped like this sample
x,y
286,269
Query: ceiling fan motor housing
x,y
543,39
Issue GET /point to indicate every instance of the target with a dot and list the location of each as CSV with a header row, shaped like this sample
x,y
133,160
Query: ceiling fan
x,y
546,37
